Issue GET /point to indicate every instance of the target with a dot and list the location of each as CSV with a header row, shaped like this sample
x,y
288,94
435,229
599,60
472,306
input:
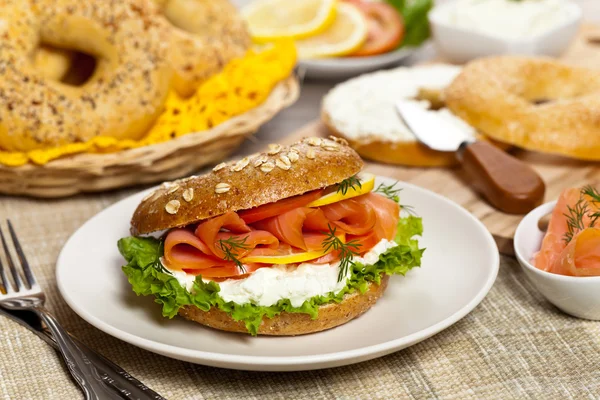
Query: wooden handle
x,y
508,184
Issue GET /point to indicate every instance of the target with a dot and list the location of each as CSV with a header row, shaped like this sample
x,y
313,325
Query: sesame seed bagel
x,y
291,324
206,35
121,99
534,103
279,173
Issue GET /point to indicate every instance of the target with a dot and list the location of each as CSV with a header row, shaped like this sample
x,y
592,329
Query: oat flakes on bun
x,y
291,241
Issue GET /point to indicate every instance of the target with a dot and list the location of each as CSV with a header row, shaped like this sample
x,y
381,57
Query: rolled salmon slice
x,y
554,243
582,255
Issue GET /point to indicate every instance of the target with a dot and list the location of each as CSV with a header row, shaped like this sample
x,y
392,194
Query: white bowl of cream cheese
x,y
467,29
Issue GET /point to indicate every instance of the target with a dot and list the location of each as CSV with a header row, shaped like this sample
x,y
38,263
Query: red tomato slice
x,y
386,28
279,207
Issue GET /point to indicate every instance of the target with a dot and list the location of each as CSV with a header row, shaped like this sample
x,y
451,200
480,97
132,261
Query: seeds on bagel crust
x,y
313,141
219,167
240,165
281,164
222,187
36,114
252,187
173,189
260,160
188,194
274,148
285,159
172,207
267,167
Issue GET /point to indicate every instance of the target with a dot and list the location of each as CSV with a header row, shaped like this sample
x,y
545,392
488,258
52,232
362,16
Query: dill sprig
x,y
347,250
594,196
231,248
393,193
389,191
575,216
349,183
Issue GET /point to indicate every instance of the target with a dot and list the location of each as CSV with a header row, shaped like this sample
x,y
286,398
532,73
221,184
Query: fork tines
x,y
12,266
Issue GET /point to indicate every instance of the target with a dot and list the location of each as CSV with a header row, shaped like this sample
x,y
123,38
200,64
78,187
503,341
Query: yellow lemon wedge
x,y
347,33
275,19
367,183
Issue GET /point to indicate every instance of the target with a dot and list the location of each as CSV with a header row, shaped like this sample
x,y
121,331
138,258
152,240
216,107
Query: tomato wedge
x,y
279,207
386,28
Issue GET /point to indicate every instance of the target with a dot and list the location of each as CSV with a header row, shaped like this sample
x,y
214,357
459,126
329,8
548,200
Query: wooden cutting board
x,y
557,172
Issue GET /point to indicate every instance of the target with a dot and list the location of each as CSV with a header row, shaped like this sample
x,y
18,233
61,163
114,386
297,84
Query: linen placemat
x,y
513,345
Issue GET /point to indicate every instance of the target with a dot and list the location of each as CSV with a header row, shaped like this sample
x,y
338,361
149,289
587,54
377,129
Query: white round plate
x,y
458,269
345,67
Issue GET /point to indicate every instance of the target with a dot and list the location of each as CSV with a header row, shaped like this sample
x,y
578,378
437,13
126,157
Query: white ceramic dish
x,y
460,45
458,269
345,67
577,296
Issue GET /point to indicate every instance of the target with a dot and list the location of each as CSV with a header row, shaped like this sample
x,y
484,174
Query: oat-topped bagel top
x,y
122,98
278,173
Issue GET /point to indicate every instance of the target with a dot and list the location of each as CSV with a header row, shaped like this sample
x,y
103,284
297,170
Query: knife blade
x,y
507,183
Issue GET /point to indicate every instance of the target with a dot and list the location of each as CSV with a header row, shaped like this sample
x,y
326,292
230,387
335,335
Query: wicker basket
x,y
159,162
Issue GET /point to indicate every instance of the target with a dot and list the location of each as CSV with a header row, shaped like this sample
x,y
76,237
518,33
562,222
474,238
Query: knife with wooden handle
x,y
505,182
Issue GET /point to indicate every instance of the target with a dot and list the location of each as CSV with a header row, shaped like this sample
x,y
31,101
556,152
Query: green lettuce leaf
x,y
147,277
416,24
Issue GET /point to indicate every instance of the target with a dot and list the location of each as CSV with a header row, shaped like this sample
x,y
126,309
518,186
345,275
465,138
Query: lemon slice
x,y
275,19
292,258
347,33
367,183
286,259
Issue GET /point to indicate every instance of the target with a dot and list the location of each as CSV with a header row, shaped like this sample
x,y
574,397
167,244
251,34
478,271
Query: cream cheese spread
x,y
266,286
363,108
508,19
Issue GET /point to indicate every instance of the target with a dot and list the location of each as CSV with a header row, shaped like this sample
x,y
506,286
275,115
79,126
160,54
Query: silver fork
x,y
98,377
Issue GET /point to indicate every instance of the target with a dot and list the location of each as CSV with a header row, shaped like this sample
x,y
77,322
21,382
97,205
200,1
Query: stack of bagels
x,y
141,48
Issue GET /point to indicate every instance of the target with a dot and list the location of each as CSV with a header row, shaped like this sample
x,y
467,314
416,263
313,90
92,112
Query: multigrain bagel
x,y
121,99
534,103
260,179
51,62
206,34
292,324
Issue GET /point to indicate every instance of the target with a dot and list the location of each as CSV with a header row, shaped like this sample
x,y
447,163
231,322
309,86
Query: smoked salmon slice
x,y
387,212
353,217
553,243
572,243
581,257
216,246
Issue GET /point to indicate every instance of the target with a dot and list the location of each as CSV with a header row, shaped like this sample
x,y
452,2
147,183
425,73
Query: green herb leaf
x,y
416,24
347,250
349,183
389,191
231,249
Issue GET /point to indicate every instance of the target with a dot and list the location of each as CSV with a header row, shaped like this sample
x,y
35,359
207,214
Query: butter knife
x,y
507,183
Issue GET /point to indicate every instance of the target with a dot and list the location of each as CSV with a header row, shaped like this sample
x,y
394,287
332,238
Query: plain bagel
x,y
121,99
534,103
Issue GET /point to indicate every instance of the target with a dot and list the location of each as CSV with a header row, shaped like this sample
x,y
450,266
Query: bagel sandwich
x,y
291,241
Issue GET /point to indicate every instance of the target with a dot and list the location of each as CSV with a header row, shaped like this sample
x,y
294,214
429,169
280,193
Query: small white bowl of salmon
x,y
563,262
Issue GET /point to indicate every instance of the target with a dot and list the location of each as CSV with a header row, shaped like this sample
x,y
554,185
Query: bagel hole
x,y
81,69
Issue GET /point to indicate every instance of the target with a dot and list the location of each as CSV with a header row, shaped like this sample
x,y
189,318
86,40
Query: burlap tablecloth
x,y
513,345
